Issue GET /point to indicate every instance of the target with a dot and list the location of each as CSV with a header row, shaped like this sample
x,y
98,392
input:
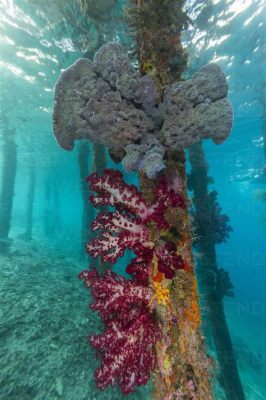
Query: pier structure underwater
x,y
132,199
146,118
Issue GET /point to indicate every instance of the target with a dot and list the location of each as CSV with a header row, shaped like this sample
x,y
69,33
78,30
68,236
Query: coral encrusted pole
x,y
215,281
184,367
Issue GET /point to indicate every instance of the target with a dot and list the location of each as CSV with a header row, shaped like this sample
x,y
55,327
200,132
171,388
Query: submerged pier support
x,y
30,202
146,120
48,221
184,369
215,284
9,169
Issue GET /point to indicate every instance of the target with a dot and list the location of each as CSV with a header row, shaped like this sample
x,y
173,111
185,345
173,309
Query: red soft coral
x,y
129,355
119,232
168,261
113,293
113,191
127,344
140,265
126,228
165,196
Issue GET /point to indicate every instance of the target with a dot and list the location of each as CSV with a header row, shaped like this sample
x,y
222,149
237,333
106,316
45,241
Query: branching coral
x,y
126,228
126,345
138,268
114,294
126,307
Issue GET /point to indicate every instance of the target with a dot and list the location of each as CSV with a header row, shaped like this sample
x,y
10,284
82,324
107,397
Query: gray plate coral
x,y
109,102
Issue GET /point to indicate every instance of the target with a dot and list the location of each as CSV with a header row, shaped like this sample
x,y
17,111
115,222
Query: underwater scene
x,y
133,199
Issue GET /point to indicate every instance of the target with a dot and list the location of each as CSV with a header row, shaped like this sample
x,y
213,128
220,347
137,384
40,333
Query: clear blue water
x,y
44,318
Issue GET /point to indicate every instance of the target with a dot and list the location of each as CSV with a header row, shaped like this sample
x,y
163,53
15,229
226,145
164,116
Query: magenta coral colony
x,y
126,306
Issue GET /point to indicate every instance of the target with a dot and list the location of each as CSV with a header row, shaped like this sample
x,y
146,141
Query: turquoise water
x,y
44,315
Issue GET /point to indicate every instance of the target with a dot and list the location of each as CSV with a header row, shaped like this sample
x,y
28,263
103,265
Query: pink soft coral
x,y
139,267
126,345
168,261
113,293
119,232
126,228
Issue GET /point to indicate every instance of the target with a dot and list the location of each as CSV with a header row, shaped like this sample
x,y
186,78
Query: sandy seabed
x,y
44,325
